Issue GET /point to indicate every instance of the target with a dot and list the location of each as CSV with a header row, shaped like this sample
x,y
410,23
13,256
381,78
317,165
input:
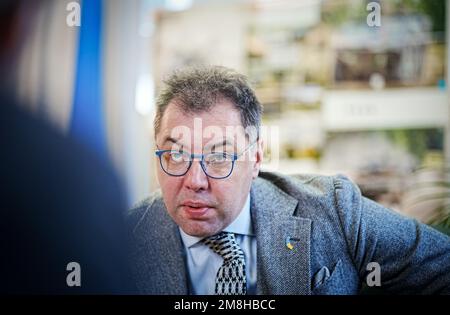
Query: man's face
x,y
200,205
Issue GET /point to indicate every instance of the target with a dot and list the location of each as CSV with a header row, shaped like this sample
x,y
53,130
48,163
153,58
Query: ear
x,y
258,158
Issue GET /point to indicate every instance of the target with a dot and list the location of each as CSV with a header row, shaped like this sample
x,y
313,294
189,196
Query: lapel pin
x,y
289,244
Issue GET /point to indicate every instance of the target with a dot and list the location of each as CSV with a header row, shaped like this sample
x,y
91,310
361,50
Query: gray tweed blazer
x,y
335,233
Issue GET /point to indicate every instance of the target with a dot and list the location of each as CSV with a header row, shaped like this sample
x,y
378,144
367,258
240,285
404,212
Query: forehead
x,y
223,112
222,121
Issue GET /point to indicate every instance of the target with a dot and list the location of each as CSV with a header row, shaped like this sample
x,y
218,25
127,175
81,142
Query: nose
x,y
195,179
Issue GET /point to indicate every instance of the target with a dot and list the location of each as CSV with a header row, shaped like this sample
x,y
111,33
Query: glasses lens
x,y
175,162
218,164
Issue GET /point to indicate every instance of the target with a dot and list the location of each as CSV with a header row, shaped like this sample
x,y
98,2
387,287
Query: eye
x,y
177,157
218,158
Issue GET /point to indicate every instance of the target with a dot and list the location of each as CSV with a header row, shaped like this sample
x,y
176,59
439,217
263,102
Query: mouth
x,y
195,210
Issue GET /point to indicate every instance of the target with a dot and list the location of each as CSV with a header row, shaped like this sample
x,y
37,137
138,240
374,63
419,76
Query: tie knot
x,y
225,245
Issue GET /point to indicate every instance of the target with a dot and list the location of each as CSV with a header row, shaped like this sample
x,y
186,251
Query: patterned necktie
x,y
230,278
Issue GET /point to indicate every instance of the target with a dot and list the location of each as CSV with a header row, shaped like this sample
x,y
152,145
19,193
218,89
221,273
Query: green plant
x,y
435,193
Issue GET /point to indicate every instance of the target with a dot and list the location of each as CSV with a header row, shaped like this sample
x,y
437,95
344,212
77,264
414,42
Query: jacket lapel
x,y
280,270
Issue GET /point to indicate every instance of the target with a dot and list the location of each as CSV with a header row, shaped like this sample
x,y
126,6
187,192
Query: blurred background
x,y
346,91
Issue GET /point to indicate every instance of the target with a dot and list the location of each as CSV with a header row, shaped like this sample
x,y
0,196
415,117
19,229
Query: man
x,y
220,226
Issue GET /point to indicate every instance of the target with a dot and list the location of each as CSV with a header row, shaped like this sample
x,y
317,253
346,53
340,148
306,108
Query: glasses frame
x,y
201,158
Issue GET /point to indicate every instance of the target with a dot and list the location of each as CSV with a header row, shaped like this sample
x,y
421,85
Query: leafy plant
x,y
435,194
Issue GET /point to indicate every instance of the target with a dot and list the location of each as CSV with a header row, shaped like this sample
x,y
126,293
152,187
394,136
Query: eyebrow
x,y
208,146
170,139
173,141
224,143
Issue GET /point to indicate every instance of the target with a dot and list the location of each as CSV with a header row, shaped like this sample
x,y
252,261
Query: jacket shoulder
x,y
136,214
312,185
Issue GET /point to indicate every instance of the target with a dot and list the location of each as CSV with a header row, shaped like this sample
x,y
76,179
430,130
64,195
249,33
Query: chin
x,y
200,230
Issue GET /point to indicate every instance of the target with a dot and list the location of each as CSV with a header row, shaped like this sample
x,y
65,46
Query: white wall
x,y
129,133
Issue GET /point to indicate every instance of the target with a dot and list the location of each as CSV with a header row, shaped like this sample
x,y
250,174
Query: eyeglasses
x,y
218,165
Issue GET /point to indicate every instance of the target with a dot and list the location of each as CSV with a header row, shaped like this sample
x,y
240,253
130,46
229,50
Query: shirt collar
x,y
241,225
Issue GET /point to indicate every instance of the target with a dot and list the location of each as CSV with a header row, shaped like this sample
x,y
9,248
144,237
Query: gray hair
x,y
198,89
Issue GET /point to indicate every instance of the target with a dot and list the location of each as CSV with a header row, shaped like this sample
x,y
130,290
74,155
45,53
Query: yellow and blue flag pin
x,y
289,244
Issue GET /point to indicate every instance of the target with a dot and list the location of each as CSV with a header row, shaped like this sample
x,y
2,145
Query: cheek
x,y
170,187
232,191
165,181
242,173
